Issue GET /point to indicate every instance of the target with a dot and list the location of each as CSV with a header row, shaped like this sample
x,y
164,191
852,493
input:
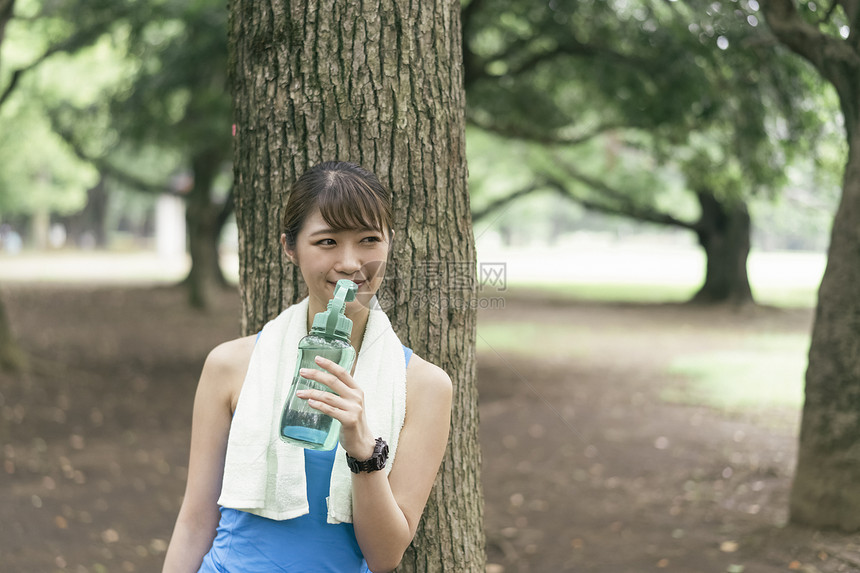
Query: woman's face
x,y
325,256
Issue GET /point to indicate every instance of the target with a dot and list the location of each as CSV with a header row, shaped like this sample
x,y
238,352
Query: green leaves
x,y
699,87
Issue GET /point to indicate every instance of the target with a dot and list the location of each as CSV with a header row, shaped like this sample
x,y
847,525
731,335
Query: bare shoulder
x,y
426,381
226,366
232,355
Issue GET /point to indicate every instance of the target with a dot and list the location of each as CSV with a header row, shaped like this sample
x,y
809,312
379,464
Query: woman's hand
x,y
346,405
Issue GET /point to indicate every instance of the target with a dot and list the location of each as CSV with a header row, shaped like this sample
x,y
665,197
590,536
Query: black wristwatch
x,y
376,461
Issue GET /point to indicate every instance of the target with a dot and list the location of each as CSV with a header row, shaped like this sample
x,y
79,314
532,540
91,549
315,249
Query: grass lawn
x,y
729,369
799,296
768,372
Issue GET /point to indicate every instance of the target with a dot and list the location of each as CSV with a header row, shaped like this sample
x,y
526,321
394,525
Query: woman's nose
x,y
348,262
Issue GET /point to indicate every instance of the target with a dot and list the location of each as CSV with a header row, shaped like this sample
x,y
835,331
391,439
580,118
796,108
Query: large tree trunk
x,y
378,83
826,490
204,225
724,233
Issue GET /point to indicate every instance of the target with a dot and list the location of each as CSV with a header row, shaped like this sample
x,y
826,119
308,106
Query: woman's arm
x,y
385,512
222,376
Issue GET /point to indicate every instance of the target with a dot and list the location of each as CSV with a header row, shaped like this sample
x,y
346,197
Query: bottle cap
x,y
333,323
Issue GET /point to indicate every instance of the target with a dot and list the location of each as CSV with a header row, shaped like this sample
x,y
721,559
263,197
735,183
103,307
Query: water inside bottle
x,y
306,426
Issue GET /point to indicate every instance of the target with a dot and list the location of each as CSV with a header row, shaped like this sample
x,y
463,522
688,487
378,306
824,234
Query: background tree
x,y
173,103
377,83
59,41
39,174
825,491
689,83
179,100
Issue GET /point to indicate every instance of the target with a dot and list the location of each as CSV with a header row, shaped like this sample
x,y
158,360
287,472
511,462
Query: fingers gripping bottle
x,y
302,425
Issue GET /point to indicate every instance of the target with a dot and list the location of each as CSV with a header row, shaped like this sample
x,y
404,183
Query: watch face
x,y
379,460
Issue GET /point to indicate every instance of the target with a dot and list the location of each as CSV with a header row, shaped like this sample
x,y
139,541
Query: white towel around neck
x,y
264,475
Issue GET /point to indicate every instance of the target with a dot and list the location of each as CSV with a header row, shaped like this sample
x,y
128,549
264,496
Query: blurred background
x,y
665,234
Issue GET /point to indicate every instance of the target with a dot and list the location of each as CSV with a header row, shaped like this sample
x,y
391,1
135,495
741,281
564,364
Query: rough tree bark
x,y
378,83
825,491
723,230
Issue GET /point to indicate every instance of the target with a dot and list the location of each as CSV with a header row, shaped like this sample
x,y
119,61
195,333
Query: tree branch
x,y
836,60
13,81
624,207
78,40
107,168
573,47
805,39
513,132
476,66
501,202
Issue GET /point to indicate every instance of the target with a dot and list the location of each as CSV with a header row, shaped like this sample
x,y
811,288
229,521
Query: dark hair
x,y
348,197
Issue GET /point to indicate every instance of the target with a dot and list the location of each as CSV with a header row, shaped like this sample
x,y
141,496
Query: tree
x,y
173,99
50,34
825,491
377,83
689,82
180,100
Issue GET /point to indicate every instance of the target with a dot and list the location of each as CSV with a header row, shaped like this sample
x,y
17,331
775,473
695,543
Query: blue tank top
x,y
248,543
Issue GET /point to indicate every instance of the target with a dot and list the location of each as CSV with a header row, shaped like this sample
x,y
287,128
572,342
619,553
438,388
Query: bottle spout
x,y
344,292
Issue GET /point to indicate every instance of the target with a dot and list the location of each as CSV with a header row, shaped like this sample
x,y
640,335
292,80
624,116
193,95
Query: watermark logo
x,y
460,285
443,284
493,276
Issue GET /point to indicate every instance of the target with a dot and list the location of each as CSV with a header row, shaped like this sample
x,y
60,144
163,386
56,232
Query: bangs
x,y
348,197
348,204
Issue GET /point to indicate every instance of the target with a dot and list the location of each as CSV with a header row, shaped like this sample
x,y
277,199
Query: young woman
x,y
337,226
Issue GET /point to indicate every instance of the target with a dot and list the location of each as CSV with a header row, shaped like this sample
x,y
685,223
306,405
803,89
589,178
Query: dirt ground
x,y
585,468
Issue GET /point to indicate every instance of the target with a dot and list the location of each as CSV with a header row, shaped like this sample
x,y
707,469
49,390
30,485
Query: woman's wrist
x,y
363,450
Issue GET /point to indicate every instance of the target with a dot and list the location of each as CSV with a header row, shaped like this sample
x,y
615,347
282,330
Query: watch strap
x,y
376,461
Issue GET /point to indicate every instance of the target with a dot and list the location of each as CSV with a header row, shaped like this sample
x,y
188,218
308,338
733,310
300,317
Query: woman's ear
x,y
290,254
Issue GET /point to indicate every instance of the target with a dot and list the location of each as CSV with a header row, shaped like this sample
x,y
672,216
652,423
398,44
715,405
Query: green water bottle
x,y
302,425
